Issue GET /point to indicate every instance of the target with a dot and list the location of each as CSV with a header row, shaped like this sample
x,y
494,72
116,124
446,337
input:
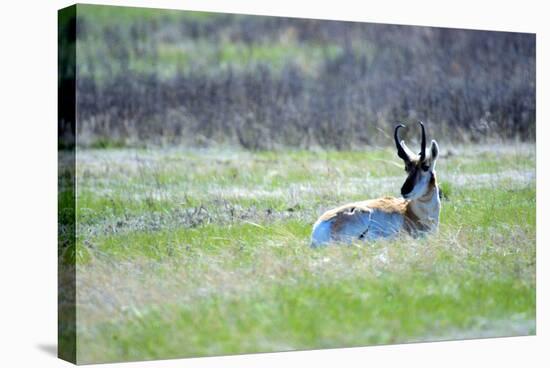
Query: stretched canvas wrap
x,y
235,184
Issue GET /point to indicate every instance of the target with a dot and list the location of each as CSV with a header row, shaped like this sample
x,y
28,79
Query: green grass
x,y
351,312
103,15
178,51
205,252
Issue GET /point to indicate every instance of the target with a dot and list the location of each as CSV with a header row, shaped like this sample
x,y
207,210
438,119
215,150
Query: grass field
x,y
205,252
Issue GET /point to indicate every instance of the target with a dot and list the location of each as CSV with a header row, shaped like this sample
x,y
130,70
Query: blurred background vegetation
x,y
164,77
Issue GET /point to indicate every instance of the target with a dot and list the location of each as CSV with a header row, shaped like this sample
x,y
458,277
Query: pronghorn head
x,y
420,168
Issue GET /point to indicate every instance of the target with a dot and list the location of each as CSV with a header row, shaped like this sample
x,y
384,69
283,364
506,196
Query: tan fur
x,y
418,212
341,215
389,204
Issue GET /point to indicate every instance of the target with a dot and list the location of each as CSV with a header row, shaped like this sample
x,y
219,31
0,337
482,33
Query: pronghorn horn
x,y
400,151
423,145
408,151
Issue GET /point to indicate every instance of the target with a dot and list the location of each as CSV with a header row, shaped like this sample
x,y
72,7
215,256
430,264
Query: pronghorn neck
x,y
423,212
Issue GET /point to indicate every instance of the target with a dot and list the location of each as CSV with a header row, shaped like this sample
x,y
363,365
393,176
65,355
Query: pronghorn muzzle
x,y
409,184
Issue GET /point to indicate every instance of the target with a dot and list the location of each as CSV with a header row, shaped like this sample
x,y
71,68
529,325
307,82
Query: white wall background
x,y
28,180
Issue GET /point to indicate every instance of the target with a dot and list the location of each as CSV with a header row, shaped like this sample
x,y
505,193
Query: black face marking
x,y
408,186
425,167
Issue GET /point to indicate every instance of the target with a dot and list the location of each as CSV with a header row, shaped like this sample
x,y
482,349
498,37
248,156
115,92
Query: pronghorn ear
x,y
434,150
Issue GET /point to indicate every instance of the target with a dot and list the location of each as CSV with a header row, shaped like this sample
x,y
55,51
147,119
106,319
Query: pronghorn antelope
x,y
417,212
